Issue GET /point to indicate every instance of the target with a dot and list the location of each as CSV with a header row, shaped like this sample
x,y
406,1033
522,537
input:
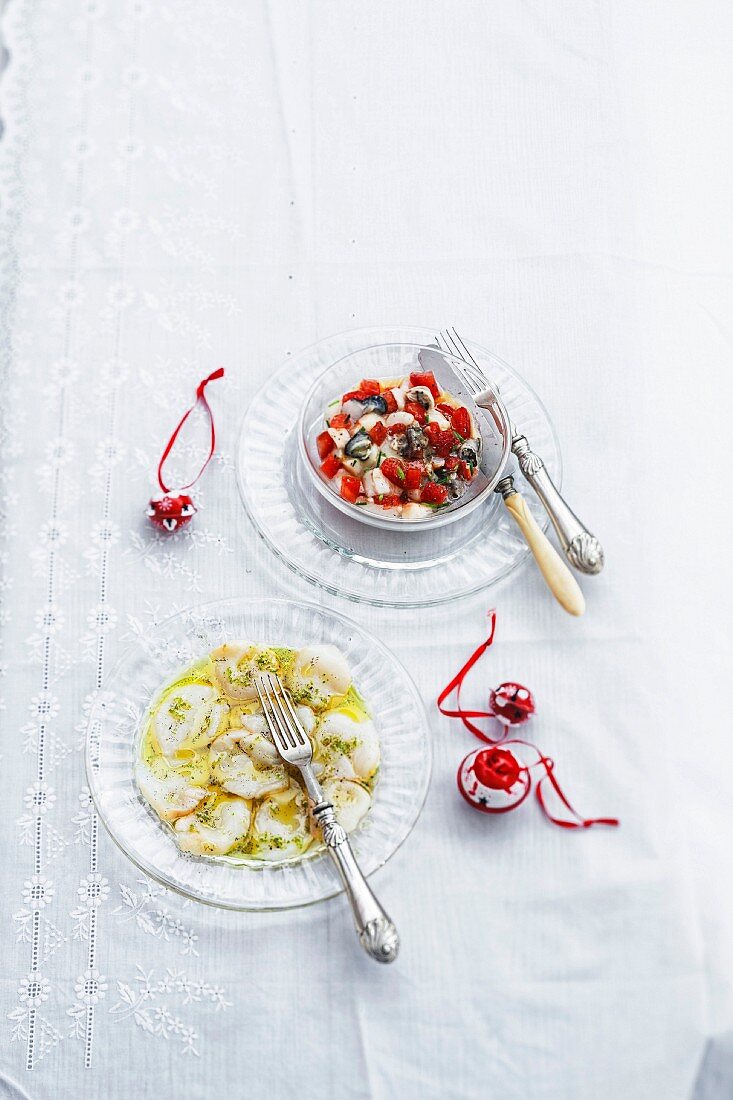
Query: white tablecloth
x,y
188,185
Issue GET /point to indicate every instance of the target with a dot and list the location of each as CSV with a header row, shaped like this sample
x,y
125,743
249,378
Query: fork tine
x,y
281,742
477,376
284,697
466,354
458,366
452,345
285,732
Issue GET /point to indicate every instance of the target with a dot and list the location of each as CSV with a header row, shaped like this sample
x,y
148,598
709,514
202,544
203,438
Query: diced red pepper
x,y
325,444
339,420
432,431
443,443
394,470
451,462
425,378
351,488
396,429
356,395
391,400
433,493
378,433
417,411
465,471
331,466
389,500
461,421
414,475
370,387
447,410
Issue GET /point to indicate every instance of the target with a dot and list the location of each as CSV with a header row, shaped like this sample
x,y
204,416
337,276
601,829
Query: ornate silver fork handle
x,y
582,549
374,927
376,931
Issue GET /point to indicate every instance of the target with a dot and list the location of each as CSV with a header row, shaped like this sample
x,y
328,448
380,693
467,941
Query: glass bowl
x,y
115,728
393,360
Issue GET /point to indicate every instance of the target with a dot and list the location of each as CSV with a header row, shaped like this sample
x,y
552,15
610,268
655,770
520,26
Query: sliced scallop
x,y
317,674
340,736
282,825
171,796
238,766
350,800
414,511
188,717
229,823
234,667
307,719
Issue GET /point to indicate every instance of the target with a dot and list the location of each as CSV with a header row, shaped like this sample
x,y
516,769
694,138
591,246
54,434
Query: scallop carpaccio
x,y
210,771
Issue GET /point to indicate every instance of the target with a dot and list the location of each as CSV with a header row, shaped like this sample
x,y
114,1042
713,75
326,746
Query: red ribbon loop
x,y
457,683
200,396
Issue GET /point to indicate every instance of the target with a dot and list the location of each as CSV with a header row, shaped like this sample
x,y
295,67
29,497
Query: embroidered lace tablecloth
x,y
187,185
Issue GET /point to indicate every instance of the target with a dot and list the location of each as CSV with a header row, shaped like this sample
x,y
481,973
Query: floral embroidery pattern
x,y
144,907
79,428
144,1004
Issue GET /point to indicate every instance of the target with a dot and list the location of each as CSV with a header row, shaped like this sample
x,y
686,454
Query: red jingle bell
x,y
493,780
171,510
512,704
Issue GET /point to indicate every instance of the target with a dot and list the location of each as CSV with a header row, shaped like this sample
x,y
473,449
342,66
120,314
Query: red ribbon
x,y
542,761
457,683
200,396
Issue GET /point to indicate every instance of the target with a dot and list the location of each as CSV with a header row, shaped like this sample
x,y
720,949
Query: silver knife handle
x,y
582,549
376,931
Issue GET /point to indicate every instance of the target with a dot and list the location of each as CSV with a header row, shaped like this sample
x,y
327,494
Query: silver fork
x,y
375,929
581,548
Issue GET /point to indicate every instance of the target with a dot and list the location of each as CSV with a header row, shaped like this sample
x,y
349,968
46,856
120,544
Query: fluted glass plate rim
x,y
419,722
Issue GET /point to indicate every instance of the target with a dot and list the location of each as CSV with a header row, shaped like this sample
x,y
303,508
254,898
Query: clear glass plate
x,y
115,727
345,557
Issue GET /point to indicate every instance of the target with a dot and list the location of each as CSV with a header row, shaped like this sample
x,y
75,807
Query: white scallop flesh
x,y
415,511
233,670
368,420
189,716
399,396
399,418
350,801
231,823
352,464
260,747
436,417
340,735
237,771
253,723
380,483
340,436
282,826
307,719
338,766
172,796
317,674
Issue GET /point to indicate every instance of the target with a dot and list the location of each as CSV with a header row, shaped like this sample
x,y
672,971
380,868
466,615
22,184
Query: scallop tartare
x,y
400,447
